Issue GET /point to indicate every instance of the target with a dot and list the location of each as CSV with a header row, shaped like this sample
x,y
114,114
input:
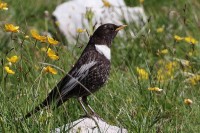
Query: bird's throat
x,y
104,50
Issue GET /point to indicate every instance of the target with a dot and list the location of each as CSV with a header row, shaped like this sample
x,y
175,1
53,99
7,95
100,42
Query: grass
x,y
125,100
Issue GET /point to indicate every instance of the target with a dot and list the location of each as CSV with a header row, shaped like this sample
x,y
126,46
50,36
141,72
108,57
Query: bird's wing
x,y
73,78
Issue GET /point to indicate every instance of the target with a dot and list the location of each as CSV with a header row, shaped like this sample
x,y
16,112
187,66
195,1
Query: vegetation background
x,y
154,82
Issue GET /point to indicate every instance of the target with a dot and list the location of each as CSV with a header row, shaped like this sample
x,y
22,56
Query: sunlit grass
x,y
154,82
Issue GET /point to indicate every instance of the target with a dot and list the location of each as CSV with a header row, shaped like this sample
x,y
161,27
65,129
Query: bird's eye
x,y
112,29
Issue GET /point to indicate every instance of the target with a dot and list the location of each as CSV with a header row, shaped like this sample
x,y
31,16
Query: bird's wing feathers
x,y
73,78
77,76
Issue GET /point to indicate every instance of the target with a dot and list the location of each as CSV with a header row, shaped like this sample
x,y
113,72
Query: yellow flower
x,y
26,37
164,51
194,79
141,1
3,6
190,40
13,59
185,62
51,54
106,3
178,38
49,69
190,53
142,73
43,49
11,28
8,70
38,37
79,30
170,67
166,70
154,89
160,30
188,101
52,41
160,75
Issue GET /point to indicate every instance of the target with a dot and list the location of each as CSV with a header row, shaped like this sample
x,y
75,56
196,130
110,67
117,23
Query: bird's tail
x,y
38,108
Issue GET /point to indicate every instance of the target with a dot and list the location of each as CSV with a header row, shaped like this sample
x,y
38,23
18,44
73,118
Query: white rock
x,y
87,125
71,15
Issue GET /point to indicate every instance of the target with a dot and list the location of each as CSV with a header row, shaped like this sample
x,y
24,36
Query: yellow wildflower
x,y
160,75
166,70
160,30
160,62
188,101
194,79
3,6
52,41
190,40
8,70
164,51
154,89
141,1
43,49
51,54
13,59
38,37
190,53
185,62
79,30
26,37
169,67
142,73
106,3
178,38
49,69
11,28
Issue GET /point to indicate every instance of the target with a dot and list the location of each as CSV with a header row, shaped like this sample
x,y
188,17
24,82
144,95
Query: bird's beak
x,y
120,27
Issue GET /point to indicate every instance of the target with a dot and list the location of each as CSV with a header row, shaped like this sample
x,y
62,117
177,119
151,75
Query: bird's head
x,y
106,33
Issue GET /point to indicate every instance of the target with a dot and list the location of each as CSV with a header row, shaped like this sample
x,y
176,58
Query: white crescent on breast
x,y
103,49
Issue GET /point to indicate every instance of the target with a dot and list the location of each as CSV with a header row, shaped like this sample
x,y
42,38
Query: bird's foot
x,y
91,115
86,116
95,115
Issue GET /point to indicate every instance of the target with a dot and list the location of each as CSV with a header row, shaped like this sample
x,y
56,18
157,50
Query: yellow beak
x,y
121,27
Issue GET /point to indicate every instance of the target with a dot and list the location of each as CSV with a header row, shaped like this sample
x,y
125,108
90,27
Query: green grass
x,y
125,100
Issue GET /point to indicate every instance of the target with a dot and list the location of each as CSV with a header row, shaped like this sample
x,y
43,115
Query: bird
x,y
89,73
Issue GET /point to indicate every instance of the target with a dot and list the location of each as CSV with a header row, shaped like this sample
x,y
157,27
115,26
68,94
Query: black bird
x,y
90,72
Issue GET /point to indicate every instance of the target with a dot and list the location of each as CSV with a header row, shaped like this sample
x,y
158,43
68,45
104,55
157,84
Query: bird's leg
x,y
82,105
83,100
90,108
